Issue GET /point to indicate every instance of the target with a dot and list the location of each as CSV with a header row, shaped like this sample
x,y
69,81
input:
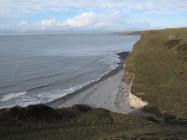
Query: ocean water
x,y
40,68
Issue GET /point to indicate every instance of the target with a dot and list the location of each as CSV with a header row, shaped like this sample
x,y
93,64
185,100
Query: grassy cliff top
x,y
159,62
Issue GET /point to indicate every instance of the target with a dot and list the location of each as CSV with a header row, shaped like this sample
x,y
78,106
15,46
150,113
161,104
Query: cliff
x,y
159,65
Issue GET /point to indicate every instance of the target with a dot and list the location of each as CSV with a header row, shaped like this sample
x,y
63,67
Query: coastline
x,y
94,94
84,122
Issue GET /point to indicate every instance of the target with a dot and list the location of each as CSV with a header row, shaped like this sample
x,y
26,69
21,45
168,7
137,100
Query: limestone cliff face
x,y
134,101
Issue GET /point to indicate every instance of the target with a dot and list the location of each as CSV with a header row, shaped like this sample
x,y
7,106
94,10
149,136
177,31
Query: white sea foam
x,y
44,97
12,95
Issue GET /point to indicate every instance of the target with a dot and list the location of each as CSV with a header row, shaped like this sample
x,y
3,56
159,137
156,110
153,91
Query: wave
x,y
112,67
12,95
48,96
56,94
47,77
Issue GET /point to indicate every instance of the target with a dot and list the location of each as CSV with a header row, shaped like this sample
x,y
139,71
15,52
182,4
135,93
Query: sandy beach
x,y
110,93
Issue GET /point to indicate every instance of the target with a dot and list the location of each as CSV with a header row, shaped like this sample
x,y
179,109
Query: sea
x,y
41,68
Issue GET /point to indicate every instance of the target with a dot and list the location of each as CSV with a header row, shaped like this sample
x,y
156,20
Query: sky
x,y
91,15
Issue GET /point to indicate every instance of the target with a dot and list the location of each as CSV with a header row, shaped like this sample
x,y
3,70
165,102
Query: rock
x,y
172,37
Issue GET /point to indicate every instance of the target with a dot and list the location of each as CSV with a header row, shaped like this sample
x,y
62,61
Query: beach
x,y
44,72
110,93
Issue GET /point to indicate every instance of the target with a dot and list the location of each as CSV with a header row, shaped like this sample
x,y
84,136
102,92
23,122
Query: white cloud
x,y
106,14
86,21
92,20
50,23
82,20
110,21
24,23
12,7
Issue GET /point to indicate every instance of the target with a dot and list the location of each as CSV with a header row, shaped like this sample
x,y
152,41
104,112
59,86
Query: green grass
x,y
160,67
79,123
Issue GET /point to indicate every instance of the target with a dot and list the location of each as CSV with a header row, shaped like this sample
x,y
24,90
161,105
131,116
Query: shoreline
x,y
111,80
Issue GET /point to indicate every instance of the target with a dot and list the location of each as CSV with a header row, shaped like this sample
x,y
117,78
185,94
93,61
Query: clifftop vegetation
x,y
159,62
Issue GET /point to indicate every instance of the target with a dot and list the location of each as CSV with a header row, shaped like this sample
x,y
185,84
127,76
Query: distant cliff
x,y
130,33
